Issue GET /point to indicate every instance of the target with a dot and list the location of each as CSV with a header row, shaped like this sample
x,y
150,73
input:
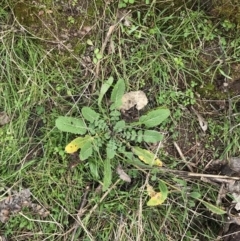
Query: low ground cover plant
x,y
106,135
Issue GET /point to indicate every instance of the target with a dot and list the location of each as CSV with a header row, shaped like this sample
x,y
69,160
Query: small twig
x,y
226,69
120,228
221,194
198,175
182,156
202,122
40,221
78,221
84,200
208,164
103,197
212,176
80,211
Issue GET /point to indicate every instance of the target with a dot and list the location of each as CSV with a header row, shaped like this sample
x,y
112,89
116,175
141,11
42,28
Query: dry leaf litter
x,y
16,201
122,174
230,168
4,118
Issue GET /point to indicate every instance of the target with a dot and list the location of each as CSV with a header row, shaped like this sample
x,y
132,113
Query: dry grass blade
x,y
57,41
203,124
199,175
80,212
107,38
78,223
182,156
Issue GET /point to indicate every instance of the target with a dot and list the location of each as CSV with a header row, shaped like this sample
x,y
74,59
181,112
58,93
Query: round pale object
x,y
234,163
134,98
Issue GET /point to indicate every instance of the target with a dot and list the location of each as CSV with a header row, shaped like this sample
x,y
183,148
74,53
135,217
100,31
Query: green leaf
x,y
128,155
89,42
99,56
105,87
93,165
154,117
121,5
110,152
107,179
107,135
163,188
213,208
146,156
117,93
70,124
78,143
139,136
181,182
96,51
133,135
95,60
195,195
129,158
119,125
115,113
89,114
134,161
157,198
97,142
86,150
152,136
111,149
224,74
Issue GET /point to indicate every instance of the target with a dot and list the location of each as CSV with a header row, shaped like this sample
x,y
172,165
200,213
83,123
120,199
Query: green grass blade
x,y
107,179
105,87
213,208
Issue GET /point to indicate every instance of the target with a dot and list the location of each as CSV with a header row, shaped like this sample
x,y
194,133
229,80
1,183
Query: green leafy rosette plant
x,y
108,135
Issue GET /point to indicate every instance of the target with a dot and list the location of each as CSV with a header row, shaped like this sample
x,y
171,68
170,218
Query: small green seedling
x,y
71,20
124,3
97,55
